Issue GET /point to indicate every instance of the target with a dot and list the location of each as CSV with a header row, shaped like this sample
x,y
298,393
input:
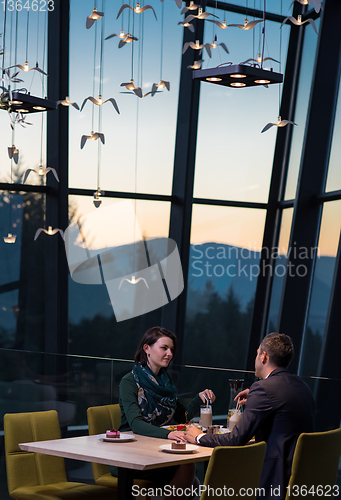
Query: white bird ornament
x,y
95,14
316,4
66,102
220,25
299,22
196,65
248,25
26,68
191,6
187,25
280,123
13,152
201,15
41,171
162,85
49,232
133,281
93,137
100,102
131,86
138,9
197,46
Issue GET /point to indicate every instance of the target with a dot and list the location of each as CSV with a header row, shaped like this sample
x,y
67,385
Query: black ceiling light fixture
x,y
20,102
238,76
241,75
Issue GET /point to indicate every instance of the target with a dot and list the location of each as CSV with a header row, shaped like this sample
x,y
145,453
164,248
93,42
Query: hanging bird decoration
x,y
97,194
26,68
131,86
93,17
125,38
196,65
248,25
198,46
280,123
138,9
49,232
13,152
10,238
93,137
66,102
187,25
41,172
133,281
220,25
163,84
191,6
100,102
201,15
299,22
316,4
214,45
259,60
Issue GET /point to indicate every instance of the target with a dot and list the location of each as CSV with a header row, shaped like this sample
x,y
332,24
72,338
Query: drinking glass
x,y
205,415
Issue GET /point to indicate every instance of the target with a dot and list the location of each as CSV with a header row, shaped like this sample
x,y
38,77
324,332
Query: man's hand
x,y
177,436
209,394
191,433
242,396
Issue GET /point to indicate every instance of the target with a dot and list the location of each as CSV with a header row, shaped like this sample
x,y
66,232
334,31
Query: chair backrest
x,y
25,468
100,420
315,463
235,467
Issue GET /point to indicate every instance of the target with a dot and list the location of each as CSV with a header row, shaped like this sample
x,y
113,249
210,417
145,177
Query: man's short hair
x,y
279,348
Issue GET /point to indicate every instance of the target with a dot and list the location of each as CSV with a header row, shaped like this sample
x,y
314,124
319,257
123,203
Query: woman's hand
x,y
242,396
210,394
176,436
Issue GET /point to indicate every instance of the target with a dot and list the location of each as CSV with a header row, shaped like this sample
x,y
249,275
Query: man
x,y
278,409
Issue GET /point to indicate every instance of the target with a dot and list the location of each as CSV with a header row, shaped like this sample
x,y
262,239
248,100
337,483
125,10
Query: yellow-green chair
x,y
315,465
234,467
34,476
101,419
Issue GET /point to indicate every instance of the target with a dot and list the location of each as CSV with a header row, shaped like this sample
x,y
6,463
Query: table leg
x,y
125,483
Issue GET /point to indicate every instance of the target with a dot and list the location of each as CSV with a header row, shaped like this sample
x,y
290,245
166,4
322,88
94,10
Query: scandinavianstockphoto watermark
x,y
217,261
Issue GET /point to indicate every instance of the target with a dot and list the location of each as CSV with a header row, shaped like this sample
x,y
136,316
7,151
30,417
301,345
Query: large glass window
x,y
302,101
23,39
334,169
282,252
233,158
90,308
22,271
223,271
321,288
138,153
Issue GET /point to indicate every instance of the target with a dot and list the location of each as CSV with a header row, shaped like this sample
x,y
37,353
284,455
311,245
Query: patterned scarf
x,y
157,396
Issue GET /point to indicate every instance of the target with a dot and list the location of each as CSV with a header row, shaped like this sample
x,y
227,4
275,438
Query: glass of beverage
x,y
205,415
234,418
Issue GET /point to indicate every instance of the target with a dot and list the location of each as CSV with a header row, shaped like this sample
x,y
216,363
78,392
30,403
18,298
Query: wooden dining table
x,y
141,453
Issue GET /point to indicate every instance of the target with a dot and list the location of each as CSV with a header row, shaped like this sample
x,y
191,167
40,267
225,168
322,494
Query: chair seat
x,y
63,491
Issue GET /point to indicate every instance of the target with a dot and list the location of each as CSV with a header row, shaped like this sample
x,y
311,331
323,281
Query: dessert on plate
x,y
178,445
113,433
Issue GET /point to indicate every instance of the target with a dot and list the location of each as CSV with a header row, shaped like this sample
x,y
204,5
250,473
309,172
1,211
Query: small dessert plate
x,y
123,438
190,448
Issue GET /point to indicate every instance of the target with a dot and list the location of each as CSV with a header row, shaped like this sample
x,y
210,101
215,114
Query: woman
x,y
148,400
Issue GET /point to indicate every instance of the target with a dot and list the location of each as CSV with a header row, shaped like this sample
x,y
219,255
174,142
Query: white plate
x,y
121,439
190,448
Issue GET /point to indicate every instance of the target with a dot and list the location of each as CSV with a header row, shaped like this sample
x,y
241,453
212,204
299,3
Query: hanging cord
x,y
161,57
44,55
141,51
27,25
4,38
263,31
132,46
280,67
93,85
100,107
